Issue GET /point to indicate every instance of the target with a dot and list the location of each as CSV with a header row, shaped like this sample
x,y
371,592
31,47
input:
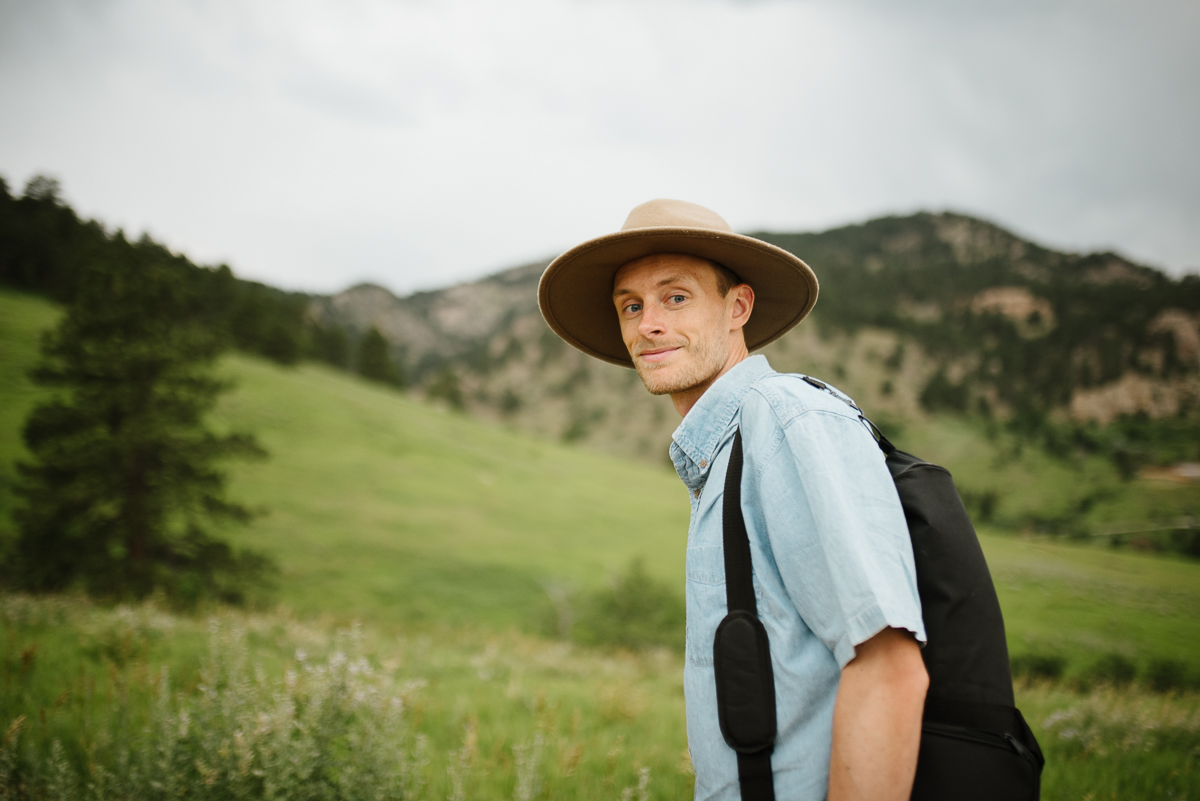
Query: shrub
x,y
634,611
510,402
445,387
1038,666
1165,675
981,505
1186,542
1113,669
940,393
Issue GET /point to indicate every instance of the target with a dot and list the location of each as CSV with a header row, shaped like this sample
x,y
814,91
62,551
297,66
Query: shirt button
x,y
697,493
704,463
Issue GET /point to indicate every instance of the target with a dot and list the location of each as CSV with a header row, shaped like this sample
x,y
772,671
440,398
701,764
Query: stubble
x,y
707,360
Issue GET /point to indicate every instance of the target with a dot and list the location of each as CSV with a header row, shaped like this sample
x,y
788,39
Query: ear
x,y
739,303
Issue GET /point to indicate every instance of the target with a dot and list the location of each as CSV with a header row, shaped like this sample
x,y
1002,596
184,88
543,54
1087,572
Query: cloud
x,y
415,143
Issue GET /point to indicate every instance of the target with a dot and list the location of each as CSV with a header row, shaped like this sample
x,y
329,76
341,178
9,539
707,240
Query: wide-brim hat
x,y
575,293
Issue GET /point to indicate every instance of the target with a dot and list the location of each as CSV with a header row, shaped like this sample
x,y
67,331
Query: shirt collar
x,y
703,429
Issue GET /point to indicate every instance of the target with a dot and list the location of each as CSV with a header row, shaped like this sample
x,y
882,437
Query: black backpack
x,y
974,742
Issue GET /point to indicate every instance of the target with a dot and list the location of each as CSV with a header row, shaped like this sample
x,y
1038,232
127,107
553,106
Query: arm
x,y
877,720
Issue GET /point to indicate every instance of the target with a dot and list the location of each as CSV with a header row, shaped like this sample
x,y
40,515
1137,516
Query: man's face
x,y
674,321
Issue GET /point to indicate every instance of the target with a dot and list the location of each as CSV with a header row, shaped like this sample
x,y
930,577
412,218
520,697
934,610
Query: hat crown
x,y
664,213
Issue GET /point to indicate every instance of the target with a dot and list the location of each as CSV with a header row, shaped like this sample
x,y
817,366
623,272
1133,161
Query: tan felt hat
x,y
575,293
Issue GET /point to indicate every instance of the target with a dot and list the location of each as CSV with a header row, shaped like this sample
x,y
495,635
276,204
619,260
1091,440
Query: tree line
x,y
45,249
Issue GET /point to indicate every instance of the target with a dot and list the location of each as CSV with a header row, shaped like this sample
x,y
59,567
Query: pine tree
x,y
375,360
124,476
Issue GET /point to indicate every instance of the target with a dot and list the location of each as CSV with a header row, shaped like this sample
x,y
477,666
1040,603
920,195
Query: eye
x,y
633,308
678,298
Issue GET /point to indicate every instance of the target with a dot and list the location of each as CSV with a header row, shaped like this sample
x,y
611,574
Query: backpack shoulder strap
x,y
739,586
755,777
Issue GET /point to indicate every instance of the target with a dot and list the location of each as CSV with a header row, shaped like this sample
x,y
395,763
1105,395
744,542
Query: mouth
x,y
657,355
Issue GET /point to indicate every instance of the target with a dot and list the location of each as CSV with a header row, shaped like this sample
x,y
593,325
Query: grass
x,y
1031,490
385,508
1081,604
447,538
1110,745
445,713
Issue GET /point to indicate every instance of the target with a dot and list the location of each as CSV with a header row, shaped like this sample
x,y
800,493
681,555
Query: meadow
x,y
426,559
133,702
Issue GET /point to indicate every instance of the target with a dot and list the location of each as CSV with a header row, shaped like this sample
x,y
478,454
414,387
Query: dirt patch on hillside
x,y
1118,271
1016,303
1185,328
1132,394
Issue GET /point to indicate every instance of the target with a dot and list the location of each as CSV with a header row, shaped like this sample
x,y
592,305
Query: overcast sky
x,y
416,143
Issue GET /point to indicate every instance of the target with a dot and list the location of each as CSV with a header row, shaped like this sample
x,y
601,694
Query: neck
x,y
685,400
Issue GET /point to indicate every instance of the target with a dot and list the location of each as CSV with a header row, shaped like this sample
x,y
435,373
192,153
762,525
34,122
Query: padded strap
x,y
739,587
754,770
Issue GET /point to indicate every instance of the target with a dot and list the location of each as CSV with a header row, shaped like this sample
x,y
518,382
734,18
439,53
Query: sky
x,y
419,143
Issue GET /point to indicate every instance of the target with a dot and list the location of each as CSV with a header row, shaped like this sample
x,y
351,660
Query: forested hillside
x,y
44,246
1011,324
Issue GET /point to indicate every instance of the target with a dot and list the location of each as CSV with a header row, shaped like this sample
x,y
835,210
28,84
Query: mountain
x,y
919,314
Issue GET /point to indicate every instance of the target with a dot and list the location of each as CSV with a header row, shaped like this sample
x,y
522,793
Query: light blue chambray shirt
x,y
833,564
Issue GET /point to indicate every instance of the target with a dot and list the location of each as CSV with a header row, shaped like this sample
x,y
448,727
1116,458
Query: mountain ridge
x,y
918,314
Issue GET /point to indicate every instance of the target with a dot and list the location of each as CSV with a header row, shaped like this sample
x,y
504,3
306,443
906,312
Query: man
x,y
682,299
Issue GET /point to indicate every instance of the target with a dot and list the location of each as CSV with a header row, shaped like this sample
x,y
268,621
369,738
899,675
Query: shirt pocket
x,y
707,604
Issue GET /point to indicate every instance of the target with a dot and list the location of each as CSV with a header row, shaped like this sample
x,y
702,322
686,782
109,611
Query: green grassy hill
x,y
389,508
385,509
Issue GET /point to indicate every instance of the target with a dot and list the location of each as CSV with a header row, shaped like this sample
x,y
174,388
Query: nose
x,y
653,320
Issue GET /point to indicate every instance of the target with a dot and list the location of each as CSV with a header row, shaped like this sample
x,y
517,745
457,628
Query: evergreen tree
x,y
330,345
375,360
124,479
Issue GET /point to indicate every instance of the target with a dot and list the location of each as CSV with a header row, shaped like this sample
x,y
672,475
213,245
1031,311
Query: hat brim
x,y
575,293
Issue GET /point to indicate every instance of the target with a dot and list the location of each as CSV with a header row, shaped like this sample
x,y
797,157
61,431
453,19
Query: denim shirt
x,y
832,561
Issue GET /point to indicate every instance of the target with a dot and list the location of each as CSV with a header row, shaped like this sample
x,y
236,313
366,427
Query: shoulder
x,y
784,397
807,423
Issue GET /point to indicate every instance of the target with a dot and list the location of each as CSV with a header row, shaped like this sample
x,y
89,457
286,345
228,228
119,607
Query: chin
x,y
658,380
667,381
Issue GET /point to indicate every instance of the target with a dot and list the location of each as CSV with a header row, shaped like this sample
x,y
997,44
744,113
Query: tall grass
x,y
132,703
1116,742
333,729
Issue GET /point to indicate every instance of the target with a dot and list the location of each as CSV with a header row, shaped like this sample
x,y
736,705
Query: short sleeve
x,y
836,529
